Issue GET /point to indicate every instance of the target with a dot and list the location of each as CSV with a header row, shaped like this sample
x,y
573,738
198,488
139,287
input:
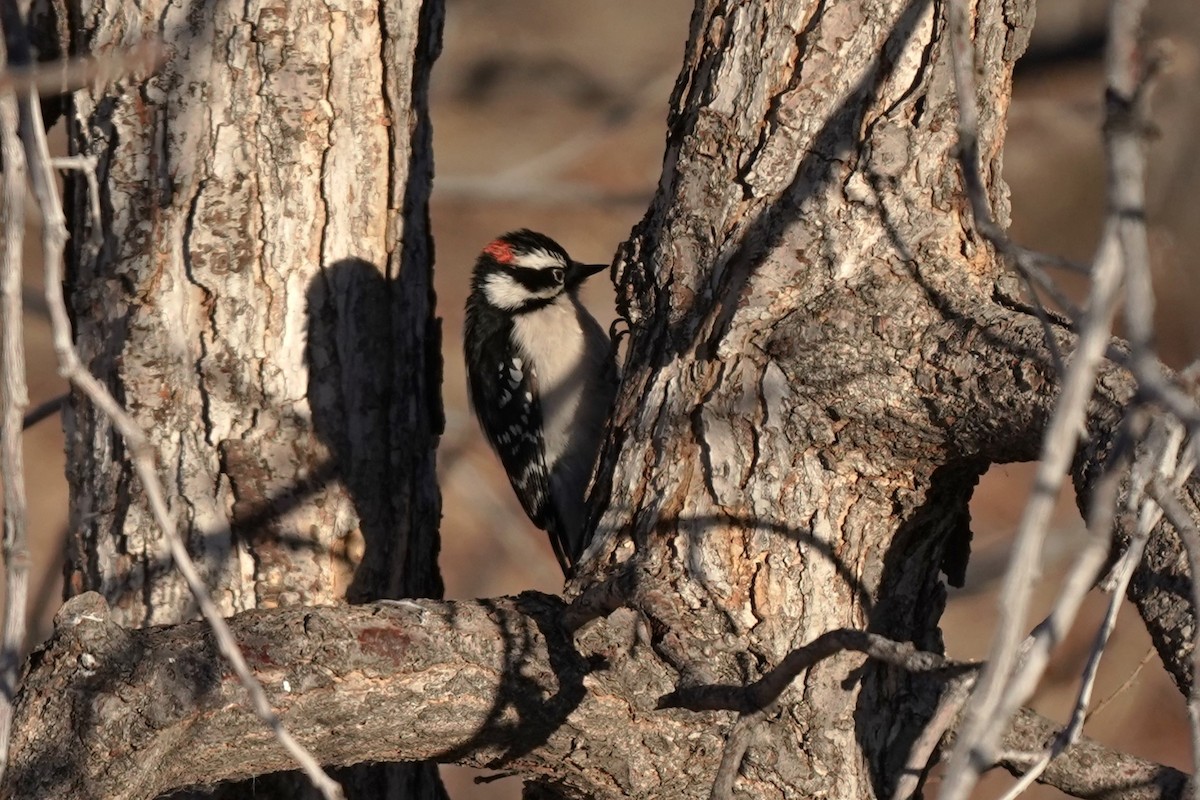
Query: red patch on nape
x,y
500,250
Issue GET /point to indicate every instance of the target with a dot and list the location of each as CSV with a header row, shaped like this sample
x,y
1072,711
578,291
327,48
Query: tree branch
x,y
14,399
766,690
489,683
1088,769
495,683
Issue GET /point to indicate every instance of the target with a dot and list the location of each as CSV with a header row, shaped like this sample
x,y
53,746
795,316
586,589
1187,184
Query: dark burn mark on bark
x,y
257,655
384,643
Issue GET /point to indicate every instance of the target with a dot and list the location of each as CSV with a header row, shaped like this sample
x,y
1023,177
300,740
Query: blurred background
x,y
551,115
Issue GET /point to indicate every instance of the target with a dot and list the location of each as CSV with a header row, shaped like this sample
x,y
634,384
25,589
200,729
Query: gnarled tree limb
x,y
487,682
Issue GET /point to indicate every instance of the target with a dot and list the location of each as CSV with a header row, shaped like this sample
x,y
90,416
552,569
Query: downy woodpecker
x,y
541,378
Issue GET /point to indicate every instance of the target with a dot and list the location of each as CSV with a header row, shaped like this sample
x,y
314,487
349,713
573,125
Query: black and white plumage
x,y
541,378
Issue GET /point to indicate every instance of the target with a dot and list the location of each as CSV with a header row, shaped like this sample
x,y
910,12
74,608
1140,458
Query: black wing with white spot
x,y
503,392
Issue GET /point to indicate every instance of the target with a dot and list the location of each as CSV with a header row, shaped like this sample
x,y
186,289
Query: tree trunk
x,y
258,292
819,370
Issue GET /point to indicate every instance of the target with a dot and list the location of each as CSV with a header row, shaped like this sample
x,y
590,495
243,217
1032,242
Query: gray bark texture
x,y
823,358
258,292
804,417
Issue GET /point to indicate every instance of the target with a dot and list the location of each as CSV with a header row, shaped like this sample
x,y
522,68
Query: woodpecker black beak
x,y
578,273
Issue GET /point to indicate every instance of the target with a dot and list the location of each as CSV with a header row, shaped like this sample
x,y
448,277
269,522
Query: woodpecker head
x,y
523,271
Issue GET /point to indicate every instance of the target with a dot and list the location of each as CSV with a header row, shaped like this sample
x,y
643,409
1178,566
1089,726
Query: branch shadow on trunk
x,y
834,143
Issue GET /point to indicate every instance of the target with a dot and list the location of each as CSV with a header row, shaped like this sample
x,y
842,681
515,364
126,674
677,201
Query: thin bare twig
x,y
1086,769
1038,278
1125,686
13,401
1028,263
54,237
1130,77
962,53
1164,457
954,697
1056,356
1089,769
973,755
1124,572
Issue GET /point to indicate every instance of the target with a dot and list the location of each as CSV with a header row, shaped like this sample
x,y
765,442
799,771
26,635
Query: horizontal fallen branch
x,y
492,682
497,683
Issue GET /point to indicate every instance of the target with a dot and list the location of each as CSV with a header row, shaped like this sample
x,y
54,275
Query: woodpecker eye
x,y
558,275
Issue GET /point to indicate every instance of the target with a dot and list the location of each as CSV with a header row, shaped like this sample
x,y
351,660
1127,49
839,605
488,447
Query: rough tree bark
x,y
823,358
258,292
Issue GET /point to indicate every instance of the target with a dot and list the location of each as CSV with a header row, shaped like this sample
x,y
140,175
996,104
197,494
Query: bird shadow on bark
x,y
349,359
374,425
